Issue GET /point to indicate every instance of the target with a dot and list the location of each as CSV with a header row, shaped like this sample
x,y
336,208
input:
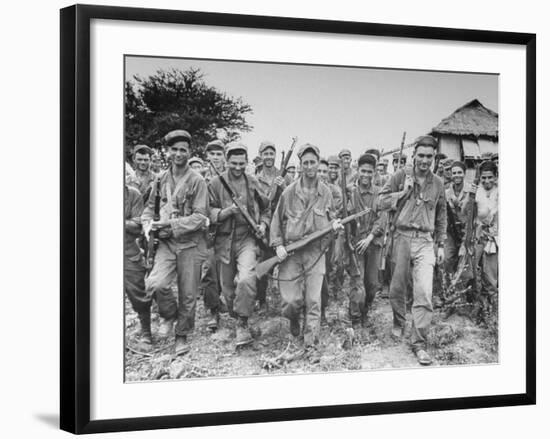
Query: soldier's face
x,y
366,172
196,166
346,161
268,157
155,164
424,157
179,152
310,165
381,169
291,172
216,157
237,164
333,171
447,173
457,175
142,161
488,180
322,171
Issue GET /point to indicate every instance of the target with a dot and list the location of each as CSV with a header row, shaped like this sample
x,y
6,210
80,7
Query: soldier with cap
x,y
144,177
447,172
134,264
156,162
417,198
304,207
345,157
235,245
291,170
215,157
381,177
196,164
182,240
334,170
438,163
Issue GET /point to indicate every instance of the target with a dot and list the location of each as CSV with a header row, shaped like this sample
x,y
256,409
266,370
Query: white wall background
x,y
29,103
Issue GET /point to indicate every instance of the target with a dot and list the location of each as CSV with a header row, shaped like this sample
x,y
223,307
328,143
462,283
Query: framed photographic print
x,y
275,218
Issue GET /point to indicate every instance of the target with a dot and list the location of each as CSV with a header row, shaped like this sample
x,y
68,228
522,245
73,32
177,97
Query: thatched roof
x,y
472,119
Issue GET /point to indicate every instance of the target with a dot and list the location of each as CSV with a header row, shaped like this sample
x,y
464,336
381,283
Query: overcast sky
x,y
335,107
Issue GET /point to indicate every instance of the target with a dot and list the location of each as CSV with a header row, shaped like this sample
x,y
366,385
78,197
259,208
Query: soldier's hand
x,y
229,211
159,225
165,233
262,228
337,225
440,255
363,244
473,188
279,181
281,252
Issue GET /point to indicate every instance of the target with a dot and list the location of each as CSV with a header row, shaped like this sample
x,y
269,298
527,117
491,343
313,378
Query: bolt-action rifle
x,y
244,211
153,242
276,193
387,241
354,263
264,267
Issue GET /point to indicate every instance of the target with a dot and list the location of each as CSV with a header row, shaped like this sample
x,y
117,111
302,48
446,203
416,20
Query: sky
x,y
335,107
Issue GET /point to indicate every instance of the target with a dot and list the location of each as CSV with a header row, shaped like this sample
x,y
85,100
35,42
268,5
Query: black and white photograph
x,y
288,218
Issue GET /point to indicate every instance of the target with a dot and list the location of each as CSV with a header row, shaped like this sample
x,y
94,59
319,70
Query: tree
x,y
177,99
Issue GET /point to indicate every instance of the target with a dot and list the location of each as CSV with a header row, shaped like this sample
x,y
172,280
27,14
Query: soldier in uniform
x,y
395,161
144,177
334,170
196,164
235,244
382,176
291,171
457,196
417,197
447,172
134,267
330,284
345,157
182,240
367,240
269,178
304,207
156,163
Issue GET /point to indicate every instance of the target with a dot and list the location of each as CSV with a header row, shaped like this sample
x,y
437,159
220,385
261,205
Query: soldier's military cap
x,y
333,160
235,148
214,145
488,165
142,149
291,165
425,141
177,136
265,145
374,152
344,152
195,160
494,156
308,147
396,156
323,160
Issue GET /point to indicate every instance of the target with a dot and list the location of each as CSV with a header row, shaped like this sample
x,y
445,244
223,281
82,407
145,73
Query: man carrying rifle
x,y
366,240
457,196
418,200
304,207
182,240
134,267
272,184
236,240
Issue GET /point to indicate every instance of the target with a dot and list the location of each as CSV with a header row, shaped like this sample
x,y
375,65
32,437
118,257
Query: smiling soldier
x,y
182,240
417,198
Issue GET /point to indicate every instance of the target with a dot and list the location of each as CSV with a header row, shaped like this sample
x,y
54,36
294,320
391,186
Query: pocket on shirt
x,y
320,219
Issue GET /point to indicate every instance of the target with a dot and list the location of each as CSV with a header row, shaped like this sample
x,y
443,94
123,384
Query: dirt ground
x,y
453,340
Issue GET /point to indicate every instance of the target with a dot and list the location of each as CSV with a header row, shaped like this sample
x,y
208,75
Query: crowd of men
x,y
218,218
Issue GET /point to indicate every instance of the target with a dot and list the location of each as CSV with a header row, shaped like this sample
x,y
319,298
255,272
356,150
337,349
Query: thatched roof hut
x,y
469,133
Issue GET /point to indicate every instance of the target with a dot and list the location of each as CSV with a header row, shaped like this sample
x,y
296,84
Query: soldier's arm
x,y
215,201
379,224
199,211
148,212
275,229
391,193
133,224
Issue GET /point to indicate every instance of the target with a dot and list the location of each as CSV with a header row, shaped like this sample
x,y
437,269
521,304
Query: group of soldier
x,y
214,221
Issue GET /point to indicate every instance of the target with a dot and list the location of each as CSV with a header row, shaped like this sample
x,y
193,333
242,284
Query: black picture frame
x,y
75,217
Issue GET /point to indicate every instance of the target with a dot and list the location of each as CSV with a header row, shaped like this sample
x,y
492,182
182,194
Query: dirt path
x,y
456,340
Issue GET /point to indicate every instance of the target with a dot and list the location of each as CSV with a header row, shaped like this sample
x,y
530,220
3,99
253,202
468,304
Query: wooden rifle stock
x,y
264,267
154,234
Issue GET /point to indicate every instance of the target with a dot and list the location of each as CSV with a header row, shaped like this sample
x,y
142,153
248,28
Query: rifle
x,y
244,212
386,243
275,194
282,159
354,263
264,267
454,224
153,243
468,259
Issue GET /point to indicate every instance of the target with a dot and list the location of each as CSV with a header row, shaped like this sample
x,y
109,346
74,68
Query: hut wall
x,y
487,146
450,146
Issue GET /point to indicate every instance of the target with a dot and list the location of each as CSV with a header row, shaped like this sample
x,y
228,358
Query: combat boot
x,y
213,322
182,346
145,331
166,327
243,336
